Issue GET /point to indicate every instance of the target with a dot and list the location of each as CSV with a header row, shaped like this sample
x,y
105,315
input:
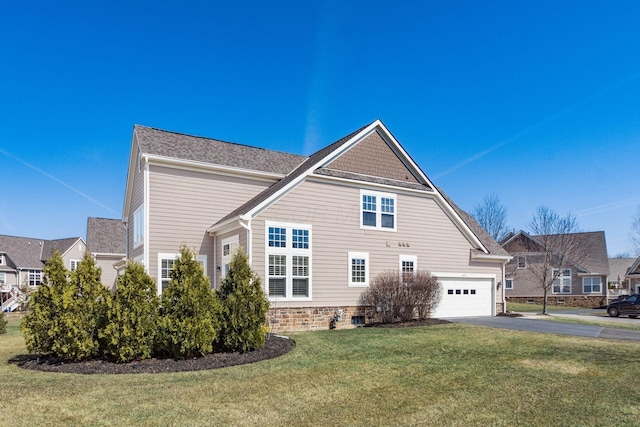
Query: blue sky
x,y
537,102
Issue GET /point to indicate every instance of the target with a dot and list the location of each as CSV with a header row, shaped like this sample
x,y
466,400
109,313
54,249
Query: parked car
x,y
629,306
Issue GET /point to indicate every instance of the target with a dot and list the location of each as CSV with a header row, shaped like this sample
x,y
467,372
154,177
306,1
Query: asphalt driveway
x,y
535,324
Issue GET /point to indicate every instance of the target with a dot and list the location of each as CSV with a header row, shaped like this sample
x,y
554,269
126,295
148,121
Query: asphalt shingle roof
x,y
29,253
206,150
106,236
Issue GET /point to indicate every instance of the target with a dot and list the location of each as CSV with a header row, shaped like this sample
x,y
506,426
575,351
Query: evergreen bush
x,y
39,325
82,316
3,323
189,310
244,306
132,316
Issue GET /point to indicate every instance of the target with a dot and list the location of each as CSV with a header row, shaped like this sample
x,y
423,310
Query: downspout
x,y
246,224
504,285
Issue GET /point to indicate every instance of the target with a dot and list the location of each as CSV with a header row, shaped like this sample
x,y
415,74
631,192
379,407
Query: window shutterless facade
x,y
522,262
408,266
378,210
562,283
591,285
508,284
288,260
358,269
73,264
229,246
35,277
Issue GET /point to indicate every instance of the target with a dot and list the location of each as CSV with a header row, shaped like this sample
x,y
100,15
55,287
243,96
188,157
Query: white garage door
x,y
464,297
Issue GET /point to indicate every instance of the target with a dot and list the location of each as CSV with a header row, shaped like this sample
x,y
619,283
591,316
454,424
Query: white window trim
x,y
359,255
378,195
3,278
561,277
71,266
412,258
506,284
518,262
161,256
138,226
289,252
592,291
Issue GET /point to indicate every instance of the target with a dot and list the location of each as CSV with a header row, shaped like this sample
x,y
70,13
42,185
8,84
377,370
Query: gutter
x,y
246,224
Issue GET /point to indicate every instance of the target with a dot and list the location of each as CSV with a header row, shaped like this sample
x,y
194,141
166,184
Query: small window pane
x,y
387,221
277,237
300,287
277,265
300,239
276,287
358,270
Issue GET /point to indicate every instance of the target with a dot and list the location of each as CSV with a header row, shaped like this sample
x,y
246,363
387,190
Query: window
x,y
288,261
378,210
165,265
35,277
508,284
1,259
562,283
591,285
229,246
73,264
138,226
358,269
408,266
522,262
3,278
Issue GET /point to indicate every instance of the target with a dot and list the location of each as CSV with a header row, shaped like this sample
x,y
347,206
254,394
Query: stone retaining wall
x,y
588,301
316,318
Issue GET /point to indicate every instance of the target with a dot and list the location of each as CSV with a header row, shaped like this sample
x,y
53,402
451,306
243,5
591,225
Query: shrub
x,y
83,313
132,316
244,306
402,298
425,290
3,323
40,324
189,310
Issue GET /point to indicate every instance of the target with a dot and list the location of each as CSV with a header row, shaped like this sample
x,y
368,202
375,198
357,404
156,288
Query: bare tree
x,y
635,232
559,248
492,216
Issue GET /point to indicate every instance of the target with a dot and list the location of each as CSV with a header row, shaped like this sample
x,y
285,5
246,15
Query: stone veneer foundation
x,y
589,301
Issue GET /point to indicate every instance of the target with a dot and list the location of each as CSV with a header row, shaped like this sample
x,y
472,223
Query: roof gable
x,y
373,156
60,245
24,252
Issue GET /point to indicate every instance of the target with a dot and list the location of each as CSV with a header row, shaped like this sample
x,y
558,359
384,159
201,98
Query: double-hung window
x,y
378,210
591,285
229,246
288,261
508,284
73,264
165,266
562,282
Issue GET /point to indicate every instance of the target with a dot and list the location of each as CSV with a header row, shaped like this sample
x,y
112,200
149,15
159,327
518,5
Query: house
x,y
317,229
106,244
633,276
618,283
22,260
581,275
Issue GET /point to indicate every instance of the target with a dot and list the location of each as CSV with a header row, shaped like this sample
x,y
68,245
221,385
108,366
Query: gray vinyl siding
x,y
423,230
109,274
137,199
74,253
242,241
184,203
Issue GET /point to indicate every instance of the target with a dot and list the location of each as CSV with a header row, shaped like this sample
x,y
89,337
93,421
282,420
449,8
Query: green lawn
x,y
458,375
521,307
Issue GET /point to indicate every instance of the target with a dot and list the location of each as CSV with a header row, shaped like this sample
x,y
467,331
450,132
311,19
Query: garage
x,y
463,297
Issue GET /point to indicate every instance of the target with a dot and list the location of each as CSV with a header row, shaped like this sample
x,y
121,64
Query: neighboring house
x,y
22,260
633,276
579,282
317,229
618,283
106,244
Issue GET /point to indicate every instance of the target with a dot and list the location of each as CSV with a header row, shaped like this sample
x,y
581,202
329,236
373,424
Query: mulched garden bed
x,y
275,346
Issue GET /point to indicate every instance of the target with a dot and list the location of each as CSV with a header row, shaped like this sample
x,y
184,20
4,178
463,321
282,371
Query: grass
x,y
521,307
449,375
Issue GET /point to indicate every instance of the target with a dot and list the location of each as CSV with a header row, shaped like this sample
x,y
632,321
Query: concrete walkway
x,y
536,323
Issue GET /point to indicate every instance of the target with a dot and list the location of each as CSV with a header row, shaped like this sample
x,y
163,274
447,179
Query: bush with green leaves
x,y
39,325
244,306
132,316
189,310
3,323
67,311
